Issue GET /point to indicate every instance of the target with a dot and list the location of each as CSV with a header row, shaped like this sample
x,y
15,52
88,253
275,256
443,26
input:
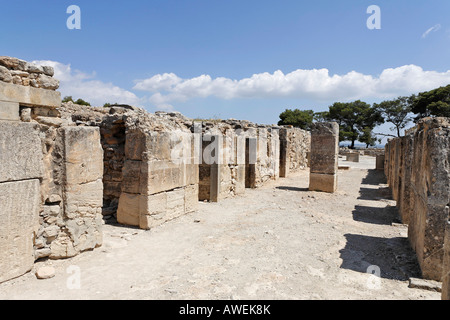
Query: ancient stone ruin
x,y
418,173
68,169
324,157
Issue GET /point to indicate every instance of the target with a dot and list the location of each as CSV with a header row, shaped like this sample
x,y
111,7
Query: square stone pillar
x,y
446,273
352,157
380,162
324,157
21,162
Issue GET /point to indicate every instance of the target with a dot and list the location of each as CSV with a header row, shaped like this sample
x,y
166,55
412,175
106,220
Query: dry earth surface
x,y
277,242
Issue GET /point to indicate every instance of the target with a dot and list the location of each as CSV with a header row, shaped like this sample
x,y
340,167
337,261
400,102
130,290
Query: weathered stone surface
x,y
418,174
46,82
19,214
324,156
9,62
9,111
446,272
83,155
5,75
46,272
352,157
20,151
160,175
81,228
323,182
324,148
128,212
380,162
29,96
191,198
423,284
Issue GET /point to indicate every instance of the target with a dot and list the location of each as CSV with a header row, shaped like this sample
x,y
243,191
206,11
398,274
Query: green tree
x,y
355,119
435,102
368,137
79,101
82,102
396,112
67,99
297,118
321,116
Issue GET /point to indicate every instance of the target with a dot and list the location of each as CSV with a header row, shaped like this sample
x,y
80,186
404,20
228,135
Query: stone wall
x,y
160,175
68,169
295,145
20,72
51,173
418,173
20,196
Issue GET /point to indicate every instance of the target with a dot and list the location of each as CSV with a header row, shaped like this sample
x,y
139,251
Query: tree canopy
x,y
396,112
78,101
297,118
435,102
356,120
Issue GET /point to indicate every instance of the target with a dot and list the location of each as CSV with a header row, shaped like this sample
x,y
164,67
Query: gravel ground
x,y
277,242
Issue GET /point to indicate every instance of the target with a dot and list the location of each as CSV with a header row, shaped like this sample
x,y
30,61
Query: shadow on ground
x,y
292,188
374,177
376,215
393,256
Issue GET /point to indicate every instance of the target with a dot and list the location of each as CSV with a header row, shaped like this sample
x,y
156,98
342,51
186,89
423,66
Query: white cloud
x,y
315,84
82,85
432,29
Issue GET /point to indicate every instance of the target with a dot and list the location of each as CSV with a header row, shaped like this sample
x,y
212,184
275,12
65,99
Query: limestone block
x,y
154,204
21,155
160,175
9,111
380,162
132,176
175,203
83,154
191,198
135,144
352,157
324,156
128,212
83,199
324,148
240,179
191,174
323,182
29,96
446,272
19,218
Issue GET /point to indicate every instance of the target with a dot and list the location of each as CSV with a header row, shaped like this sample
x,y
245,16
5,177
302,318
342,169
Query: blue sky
x,y
234,59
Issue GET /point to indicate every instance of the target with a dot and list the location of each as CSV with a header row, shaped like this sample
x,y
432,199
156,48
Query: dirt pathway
x,y
278,242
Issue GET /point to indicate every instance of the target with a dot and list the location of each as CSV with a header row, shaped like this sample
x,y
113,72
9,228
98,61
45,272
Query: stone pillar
x,y
284,153
324,157
21,162
446,273
160,178
380,162
352,157
430,184
83,193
